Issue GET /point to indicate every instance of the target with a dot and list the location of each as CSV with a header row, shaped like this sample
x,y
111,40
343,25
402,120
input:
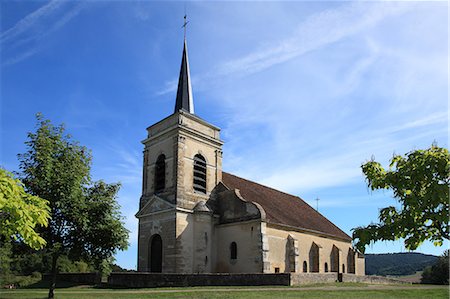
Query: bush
x,y
18,281
439,272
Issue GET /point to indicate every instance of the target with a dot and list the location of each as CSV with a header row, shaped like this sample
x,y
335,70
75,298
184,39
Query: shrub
x,y
439,272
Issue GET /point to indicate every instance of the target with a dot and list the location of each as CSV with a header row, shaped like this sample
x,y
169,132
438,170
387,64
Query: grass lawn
x,y
311,291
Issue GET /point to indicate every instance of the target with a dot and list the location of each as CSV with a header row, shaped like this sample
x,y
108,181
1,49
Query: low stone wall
x,y
86,278
373,279
306,278
150,280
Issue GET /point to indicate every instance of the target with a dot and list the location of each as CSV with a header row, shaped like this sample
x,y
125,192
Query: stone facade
x,y
194,218
197,229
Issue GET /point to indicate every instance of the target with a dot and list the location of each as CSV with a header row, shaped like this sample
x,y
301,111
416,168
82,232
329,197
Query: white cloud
x,y
24,39
29,21
317,31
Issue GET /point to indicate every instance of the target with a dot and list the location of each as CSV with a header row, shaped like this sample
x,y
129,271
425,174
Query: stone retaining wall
x,y
373,279
151,280
307,278
86,278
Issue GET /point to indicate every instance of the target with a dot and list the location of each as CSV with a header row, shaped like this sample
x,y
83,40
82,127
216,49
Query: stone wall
x,y
149,280
372,279
307,278
85,278
278,252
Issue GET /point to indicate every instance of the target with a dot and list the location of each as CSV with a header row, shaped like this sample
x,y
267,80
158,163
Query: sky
x,y
304,92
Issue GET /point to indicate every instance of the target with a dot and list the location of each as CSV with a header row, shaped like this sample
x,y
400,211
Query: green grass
x,y
317,291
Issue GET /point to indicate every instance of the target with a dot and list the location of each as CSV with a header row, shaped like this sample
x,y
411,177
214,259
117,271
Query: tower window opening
x,y
160,174
199,174
233,251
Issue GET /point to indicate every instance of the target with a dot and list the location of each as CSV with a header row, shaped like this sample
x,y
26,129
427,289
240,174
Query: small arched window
x,y
326,267
343,268
199,174
305,267
160,173
233,251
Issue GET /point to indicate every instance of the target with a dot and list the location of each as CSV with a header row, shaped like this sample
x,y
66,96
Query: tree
x,y
439,272
20,212
57,168
420,183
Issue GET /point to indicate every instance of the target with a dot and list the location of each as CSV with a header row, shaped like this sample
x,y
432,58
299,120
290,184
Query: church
x,y
196,218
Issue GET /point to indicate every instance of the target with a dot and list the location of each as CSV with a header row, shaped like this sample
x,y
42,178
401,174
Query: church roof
x,y
282,208
184,99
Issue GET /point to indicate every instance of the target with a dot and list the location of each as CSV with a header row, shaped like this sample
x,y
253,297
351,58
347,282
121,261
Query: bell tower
x,y
182,165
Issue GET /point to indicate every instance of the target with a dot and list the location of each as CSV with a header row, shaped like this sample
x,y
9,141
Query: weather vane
x,y
185,24
317,204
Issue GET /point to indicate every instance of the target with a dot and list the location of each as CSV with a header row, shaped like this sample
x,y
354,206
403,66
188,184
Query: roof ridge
x,y
265,186
293,196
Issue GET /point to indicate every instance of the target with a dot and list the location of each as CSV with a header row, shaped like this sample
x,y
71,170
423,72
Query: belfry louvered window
x,y
160,174
199,174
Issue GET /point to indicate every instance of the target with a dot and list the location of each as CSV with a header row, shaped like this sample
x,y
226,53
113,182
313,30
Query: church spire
x,y
184,99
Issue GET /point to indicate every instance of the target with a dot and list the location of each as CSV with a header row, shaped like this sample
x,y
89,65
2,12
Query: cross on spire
x,y
184,100
185,25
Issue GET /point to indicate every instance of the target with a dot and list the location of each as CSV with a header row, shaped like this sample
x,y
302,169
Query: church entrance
x,y
155,254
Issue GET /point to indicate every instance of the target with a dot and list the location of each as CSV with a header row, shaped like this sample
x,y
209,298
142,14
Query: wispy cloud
x,y
435,118
317,31
29,21
24,39
125,165
320,29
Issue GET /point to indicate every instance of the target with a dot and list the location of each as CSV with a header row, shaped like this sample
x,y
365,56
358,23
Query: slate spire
x,y
184,99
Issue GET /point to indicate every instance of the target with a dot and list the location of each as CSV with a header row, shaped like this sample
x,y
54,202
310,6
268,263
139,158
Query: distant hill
x,y
397,263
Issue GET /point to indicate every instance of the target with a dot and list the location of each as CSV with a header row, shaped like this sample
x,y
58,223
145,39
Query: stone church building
x,y
196,218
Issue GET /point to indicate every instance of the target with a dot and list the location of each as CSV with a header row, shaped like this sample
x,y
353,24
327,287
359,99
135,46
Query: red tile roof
x,y
282,208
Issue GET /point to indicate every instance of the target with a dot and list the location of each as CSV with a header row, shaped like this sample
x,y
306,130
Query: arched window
x,y
343,268
233,251
160,173
305,267
199,174
334,258
351,261
326,267
314,258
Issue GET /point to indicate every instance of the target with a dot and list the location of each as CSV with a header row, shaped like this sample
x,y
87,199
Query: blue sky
x,y
304,92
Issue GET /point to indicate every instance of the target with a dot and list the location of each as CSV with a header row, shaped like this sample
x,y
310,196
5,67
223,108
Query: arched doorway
x,y
155,254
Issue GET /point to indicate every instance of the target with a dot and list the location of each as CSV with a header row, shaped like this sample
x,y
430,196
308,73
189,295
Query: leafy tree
x,y
439,272
20,212
420,183
86,222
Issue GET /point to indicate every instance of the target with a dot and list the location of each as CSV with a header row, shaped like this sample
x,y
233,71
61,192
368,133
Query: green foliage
x,y
405,263
86,222
19,281
420,183
102,224
56,168
21,212
439,272
5,258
